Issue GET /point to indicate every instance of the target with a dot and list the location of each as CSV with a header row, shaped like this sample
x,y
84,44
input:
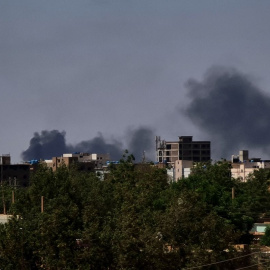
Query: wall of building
x,y
182,169
183,149
15,175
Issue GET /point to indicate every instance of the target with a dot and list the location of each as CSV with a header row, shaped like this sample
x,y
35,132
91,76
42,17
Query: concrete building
x,y
183,149
242,166
182,169
259,227
83,161
14,174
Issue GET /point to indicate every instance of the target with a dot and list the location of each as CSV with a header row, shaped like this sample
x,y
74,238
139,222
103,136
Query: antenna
x,y
143,157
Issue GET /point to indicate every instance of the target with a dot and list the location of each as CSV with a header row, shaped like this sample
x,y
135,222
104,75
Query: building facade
x,y
183,149
243,166
83,161
182,169
14,174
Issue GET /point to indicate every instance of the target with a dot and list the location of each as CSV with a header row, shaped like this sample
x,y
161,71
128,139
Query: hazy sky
x,y
91,67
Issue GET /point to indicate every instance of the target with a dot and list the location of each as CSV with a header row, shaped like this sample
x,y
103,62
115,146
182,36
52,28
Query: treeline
x,y
134,219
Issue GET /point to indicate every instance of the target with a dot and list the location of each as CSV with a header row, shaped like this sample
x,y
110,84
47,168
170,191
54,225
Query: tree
x,y
133,219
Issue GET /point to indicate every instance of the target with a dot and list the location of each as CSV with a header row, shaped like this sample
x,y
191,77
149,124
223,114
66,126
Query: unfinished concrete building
x,y
183,149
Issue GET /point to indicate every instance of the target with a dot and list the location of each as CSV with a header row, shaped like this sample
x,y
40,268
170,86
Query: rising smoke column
x,y
99,145
49,144
234,112
46,145
141,140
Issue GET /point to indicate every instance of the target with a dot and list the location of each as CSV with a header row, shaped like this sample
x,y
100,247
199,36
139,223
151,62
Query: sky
x,y
102,75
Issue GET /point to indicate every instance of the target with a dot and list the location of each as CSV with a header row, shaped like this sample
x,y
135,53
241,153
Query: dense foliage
x,y
134,219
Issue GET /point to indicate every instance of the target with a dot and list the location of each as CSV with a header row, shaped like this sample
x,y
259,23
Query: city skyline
x,y
104,71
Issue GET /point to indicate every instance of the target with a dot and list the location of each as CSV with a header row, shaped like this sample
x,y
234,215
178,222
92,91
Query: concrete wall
x,y
182,168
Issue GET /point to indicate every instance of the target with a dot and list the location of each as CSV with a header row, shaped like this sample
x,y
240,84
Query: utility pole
x,y
42,204
233,193
143,157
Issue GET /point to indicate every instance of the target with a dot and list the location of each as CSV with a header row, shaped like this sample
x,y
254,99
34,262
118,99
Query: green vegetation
x,y
266,238
134,219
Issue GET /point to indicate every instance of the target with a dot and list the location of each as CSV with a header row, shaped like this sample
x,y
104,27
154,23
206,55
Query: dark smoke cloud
x,y
45,145
99,145
234,112
49,144
141,142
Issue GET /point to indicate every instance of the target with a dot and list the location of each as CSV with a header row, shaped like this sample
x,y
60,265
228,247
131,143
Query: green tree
x,y
133,219
265,240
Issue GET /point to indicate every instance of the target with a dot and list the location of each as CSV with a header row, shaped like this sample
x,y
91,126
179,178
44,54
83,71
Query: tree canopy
x,y
133,219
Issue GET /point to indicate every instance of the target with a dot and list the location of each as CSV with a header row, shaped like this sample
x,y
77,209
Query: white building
x,y
242,166
182,169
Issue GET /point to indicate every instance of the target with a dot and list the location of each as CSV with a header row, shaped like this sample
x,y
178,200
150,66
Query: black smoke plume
x,y
141,143
46,145
99,145
49,144
234,112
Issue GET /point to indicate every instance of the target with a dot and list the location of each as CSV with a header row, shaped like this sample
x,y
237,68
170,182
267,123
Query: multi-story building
x,y
183,149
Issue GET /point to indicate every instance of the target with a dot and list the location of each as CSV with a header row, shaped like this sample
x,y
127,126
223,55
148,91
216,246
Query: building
x,y
242,166
83,161
14,174
182,169
259,227
183,149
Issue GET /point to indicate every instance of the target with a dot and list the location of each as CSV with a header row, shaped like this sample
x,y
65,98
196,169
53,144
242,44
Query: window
x,y
205,146
186,146
168,146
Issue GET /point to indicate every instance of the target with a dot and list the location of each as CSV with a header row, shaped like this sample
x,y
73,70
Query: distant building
x,y
182,169
14,174
259,227
183,149
242,166
83,161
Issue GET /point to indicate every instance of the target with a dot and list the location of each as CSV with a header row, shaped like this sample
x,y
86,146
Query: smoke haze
x,y
52,143
46,145
141,140
231,109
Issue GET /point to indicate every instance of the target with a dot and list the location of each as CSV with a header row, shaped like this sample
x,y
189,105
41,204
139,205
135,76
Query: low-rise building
x,y
243,167
14,174
182,169
83,161
259,227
